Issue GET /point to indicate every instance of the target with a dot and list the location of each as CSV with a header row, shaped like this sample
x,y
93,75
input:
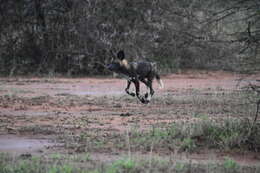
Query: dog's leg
x,y
146,84
150,85
137,91
127,88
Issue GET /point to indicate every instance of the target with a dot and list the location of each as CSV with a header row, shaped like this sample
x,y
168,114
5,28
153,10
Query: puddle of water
x,y
15,144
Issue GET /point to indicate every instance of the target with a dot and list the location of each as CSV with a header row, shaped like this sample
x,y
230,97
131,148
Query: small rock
x,y
25,155
125,114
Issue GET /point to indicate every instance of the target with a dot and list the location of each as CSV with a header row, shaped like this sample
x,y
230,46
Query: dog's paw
x,y
132,94
144,101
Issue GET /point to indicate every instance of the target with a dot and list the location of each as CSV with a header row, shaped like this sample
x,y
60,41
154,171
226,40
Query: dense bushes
x,y
75,37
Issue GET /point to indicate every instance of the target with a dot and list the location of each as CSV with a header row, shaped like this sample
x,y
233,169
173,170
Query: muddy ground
x,y
48,115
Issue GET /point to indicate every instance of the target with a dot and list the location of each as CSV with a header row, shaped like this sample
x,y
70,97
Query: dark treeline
x,y
75,37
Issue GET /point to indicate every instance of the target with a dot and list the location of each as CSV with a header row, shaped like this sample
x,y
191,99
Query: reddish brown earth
x,y
41,108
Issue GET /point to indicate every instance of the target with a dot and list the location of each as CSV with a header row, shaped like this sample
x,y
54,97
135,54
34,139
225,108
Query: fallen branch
x,y
257,90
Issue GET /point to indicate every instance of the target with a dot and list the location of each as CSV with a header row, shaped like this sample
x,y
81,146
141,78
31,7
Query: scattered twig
x,y
257,90
257,109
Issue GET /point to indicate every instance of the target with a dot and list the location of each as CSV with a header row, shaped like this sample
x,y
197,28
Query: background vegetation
x,y
74,37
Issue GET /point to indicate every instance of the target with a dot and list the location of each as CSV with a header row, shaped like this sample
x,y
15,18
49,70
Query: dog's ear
x,y
121,55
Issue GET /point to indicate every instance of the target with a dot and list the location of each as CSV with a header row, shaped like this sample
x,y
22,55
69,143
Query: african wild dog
x,y
143,71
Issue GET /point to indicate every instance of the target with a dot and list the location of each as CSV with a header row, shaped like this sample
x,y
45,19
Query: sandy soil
x,y
38,109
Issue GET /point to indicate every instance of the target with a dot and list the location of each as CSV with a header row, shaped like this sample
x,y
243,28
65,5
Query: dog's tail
x,y
160,82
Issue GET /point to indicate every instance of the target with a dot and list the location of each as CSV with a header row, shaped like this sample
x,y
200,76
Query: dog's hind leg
x,y
149,85
137,91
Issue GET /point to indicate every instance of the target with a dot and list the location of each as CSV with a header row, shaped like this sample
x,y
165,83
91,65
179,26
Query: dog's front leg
x,y
127,88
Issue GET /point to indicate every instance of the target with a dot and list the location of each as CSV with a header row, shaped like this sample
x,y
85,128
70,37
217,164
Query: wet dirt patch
x,y
17,144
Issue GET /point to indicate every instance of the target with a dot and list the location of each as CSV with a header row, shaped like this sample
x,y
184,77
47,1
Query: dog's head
x,y
118,64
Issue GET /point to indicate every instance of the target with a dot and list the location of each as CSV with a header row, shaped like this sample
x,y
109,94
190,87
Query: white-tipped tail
x,y
161,84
